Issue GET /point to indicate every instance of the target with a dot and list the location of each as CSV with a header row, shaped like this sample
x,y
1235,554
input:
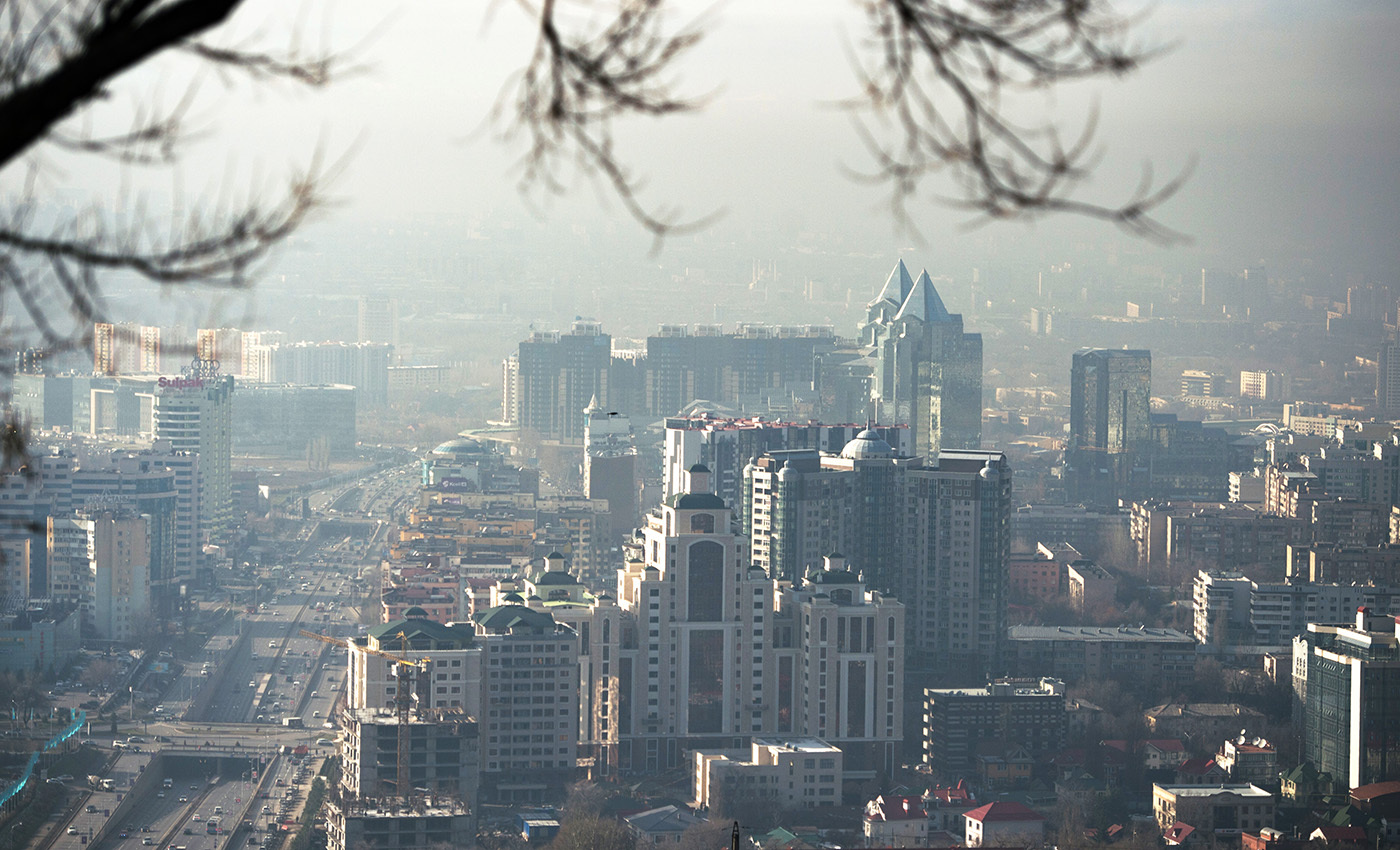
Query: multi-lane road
x,y
254,693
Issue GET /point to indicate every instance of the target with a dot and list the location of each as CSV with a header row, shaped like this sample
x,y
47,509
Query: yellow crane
x,y
406,671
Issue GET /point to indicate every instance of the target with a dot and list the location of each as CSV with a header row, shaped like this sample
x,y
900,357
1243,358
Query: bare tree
x,y
935,78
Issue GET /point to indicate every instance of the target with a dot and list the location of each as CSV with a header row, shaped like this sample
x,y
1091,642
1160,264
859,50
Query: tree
x,y
590,832
937,80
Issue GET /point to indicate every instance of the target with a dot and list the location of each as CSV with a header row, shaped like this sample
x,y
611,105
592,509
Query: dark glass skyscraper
x,y
1110,427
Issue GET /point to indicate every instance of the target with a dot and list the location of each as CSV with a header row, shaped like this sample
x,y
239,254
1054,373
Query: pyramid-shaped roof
x,y
923,302
897,287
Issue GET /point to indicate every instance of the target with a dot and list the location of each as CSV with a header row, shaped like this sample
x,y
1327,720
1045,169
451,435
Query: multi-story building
x,y
1176,538
1218,810
1346,679
444,755
786,773
1233,612
1252,760
222,345
1261,385
933,533
1388,378
1074,653
423,825
700,650
196,416
292,418
1091,587
1110,425
725,446
378,320
959,723
554,376
119,563
1342,564
927,372
1086,530
1041,574
364,366
529,709
1195,382
610,468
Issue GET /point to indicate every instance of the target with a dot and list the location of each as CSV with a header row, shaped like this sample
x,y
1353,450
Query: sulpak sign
x,y
193,376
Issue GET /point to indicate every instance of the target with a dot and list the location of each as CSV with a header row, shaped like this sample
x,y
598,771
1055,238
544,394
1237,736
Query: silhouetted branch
x,y
939,79
577,84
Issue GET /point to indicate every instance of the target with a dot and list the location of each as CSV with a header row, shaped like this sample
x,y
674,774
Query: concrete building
x,y
119,565
1220,810
290,419
927,372
553,377
529,711
1231,611
962,723
195,414
1252,760
1346,679
1072,653
674,671
42,640
895,821
786,773
725,445
364,366
1003,824
1091,587
932,533
378,320
444,759
610,468
421,825
1261,385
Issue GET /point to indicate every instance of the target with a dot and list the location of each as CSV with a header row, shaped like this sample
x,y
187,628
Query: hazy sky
x,y
1287,107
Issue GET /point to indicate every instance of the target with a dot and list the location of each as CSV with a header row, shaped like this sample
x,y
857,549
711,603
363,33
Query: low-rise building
x,y
662,826
895,821
1251,760
418,826
791,773
1003,824
1091,587
1218,809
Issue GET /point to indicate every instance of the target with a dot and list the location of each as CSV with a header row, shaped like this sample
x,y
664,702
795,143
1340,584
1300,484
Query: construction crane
x,y
406,671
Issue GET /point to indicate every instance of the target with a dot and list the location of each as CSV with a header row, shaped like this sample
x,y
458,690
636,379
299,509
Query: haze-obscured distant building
x,y
1110,425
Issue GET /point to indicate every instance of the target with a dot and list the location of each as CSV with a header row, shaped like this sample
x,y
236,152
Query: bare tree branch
x,y
577,84
940,76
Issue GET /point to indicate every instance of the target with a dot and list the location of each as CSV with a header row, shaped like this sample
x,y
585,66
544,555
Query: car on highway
x,y
184,799
72,830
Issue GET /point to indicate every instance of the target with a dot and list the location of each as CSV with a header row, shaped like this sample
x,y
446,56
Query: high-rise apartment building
x,y
1388,379
610,467
119,564
116,348
378,320
195,415
1110,424
725,445
364,366
927,372
933,533
700,650
554,377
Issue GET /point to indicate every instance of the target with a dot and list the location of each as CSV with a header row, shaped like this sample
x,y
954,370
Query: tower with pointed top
x,y
927,371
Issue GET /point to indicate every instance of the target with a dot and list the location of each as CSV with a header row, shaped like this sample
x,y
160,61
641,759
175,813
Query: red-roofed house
x,y
895,821
946,805
1003,824
1336,835
1178,834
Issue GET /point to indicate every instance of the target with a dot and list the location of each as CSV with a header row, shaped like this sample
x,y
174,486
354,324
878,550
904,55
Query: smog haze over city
x,y
783,425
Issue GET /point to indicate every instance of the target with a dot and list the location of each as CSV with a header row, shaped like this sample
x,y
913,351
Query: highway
x,y
231,704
